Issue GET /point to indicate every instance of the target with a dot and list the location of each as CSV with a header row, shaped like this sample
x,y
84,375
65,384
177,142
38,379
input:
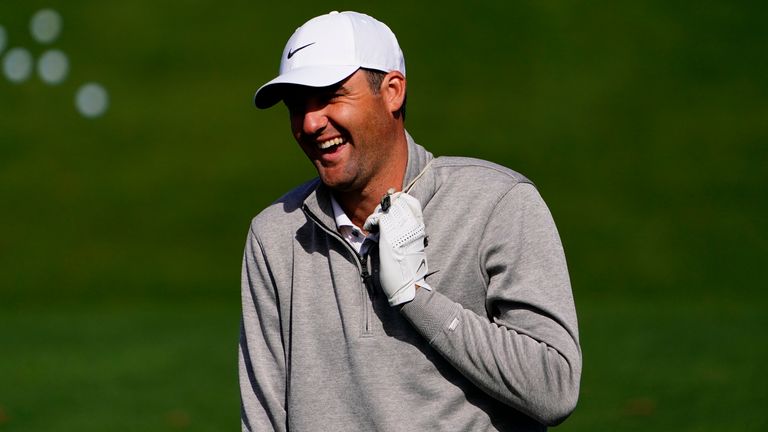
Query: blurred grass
x,y
128,367
644,126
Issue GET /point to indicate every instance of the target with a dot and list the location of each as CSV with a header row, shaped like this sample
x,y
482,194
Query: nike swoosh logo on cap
x,y
292,52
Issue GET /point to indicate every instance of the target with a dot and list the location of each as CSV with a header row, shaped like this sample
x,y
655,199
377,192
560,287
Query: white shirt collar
x,y
342,220
348,230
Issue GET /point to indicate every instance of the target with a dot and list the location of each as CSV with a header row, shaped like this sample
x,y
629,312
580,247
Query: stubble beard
x,y
345,180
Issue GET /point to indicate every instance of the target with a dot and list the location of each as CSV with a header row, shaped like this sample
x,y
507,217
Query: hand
x,y
402,260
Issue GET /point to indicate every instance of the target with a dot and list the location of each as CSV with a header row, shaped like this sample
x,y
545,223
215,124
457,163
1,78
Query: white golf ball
x,y
45,25
92,100
17,65
53,67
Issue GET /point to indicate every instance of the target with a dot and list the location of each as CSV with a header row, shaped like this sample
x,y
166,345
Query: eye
x,y
335,92
330,96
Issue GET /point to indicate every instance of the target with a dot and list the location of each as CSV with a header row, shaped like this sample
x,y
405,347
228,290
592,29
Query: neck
x,y
359,204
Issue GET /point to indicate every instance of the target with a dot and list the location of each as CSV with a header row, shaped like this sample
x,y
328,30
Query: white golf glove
x,y
402,260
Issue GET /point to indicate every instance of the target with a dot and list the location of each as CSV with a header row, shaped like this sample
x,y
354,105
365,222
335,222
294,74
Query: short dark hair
x,y
375,78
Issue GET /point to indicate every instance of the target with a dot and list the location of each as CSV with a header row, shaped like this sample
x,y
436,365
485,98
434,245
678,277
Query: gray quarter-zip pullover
x,y
494,345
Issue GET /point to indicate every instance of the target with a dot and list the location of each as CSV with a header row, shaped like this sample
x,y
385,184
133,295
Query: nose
x,y
315,120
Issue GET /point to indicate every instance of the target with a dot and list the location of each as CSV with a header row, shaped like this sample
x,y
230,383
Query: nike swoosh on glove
x,y
402,259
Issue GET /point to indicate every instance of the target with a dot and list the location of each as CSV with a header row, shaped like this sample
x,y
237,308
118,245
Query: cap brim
x,y
315,76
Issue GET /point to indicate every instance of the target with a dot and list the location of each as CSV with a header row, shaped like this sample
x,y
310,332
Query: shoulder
x,y
476,179
467,189
478,171
284,212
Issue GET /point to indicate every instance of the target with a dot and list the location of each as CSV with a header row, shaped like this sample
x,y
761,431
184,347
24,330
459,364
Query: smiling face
x,y
350,133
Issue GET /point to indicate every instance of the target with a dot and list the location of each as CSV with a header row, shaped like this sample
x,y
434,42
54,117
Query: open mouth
x,y
331,144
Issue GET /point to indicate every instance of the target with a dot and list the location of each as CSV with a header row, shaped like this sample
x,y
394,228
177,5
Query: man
x,y
397,291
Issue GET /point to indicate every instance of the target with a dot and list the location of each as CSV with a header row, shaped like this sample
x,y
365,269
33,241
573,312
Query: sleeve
x,y
527,355
261,354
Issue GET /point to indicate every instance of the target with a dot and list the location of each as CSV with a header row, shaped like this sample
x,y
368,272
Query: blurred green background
x,y
644,125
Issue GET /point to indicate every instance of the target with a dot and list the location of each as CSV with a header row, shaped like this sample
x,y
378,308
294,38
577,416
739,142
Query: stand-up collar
x,y
418,158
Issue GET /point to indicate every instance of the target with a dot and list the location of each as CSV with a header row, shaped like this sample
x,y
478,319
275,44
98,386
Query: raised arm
x,y
527,355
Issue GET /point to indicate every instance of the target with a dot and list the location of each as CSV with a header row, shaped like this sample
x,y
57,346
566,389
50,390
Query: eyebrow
x,y
341,88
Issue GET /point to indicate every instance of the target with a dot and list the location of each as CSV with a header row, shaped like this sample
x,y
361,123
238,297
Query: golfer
x,y
396,291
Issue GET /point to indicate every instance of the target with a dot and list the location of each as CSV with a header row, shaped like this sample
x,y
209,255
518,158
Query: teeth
x,y
330,143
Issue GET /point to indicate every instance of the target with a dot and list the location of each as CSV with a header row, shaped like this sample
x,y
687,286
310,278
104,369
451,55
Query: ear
x,y
393,90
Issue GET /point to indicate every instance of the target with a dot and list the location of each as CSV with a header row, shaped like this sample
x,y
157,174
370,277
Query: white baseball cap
x,y
329,48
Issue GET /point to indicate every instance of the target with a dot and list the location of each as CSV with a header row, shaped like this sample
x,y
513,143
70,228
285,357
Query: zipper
x,y
362,267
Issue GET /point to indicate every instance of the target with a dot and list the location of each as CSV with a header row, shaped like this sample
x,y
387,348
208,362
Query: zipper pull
x,y
367,277
386,200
